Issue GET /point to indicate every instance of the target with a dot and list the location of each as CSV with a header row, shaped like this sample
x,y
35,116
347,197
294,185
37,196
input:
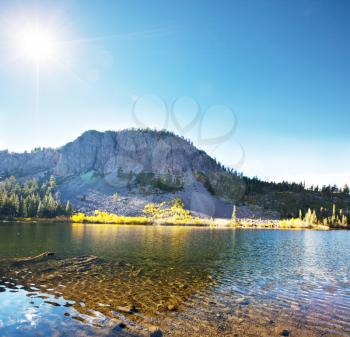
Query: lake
x,y
111,280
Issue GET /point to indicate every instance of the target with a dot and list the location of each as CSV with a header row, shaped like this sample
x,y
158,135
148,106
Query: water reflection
x,y
190,281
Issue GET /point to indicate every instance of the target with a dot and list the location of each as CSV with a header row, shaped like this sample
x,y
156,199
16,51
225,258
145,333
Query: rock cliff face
x,y
27,164
106,152
122,171
135,151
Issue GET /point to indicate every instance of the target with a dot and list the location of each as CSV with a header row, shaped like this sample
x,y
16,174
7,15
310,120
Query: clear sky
x,y
283,67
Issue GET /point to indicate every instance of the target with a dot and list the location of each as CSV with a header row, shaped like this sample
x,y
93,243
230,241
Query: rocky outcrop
x,y
122,171
129,150
105,152
27,164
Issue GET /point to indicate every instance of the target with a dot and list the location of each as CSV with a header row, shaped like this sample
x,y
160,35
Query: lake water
x,y
110,280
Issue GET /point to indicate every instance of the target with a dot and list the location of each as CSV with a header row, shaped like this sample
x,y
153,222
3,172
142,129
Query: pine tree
x,y
29,200
300,214
234,215
52,183
41,210
314,218
69,208
334,214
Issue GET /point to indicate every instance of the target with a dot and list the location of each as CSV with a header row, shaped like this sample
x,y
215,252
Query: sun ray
x,y
41,42
9,62
37,44
69,69
145,33
37,87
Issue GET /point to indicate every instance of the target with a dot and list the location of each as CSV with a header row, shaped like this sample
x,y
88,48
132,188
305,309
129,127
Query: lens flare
x,y
38,45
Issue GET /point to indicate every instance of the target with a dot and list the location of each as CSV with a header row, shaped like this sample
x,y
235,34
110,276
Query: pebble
x,y
243,301
122,325
172,307
282,332
155,331
118,326
128,309
295,307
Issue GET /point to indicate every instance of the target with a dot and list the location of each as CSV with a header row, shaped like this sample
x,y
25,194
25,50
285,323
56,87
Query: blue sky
x,y
281,66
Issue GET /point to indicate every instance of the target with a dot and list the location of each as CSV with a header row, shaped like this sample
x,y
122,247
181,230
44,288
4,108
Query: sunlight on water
x,y
185,280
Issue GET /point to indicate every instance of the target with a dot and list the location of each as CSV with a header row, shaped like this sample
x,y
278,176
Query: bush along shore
x,y
34,201
324,220
174,213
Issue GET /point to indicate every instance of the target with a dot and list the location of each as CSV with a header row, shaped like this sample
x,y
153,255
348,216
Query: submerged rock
x,y
155,331
35,258
122,325
121,264
53,303
282,332
243,301
129,309
172,307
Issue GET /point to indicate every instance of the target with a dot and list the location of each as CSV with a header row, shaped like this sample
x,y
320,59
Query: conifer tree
x,y
234,215
30,200
69,208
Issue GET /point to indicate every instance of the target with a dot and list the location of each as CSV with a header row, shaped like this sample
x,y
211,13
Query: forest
x,y
32,198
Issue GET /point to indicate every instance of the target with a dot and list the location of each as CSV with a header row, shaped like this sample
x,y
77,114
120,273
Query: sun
x,y
38,45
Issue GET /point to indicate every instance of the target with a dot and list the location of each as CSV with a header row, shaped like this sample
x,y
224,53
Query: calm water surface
x,y
126,280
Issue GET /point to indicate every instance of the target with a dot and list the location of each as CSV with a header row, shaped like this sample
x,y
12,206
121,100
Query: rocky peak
x,y
160,152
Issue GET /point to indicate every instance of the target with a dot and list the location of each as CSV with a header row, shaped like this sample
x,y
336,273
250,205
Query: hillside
x,y
122,171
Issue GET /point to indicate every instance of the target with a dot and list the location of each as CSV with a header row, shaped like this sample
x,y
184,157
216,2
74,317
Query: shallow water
x,y
121,280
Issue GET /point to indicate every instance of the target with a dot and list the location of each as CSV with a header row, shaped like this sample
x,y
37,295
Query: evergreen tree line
x,y
31,199
255,185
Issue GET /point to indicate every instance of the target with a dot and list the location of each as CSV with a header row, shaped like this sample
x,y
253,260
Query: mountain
x,y
122,171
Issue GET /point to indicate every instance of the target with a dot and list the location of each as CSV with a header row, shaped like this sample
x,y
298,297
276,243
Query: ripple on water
x,y
195,282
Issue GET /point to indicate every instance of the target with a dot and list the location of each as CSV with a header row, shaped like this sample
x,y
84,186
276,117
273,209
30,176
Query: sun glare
x,y
37,45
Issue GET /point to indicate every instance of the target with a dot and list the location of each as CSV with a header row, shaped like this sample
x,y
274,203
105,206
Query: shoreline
x,y
210,223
